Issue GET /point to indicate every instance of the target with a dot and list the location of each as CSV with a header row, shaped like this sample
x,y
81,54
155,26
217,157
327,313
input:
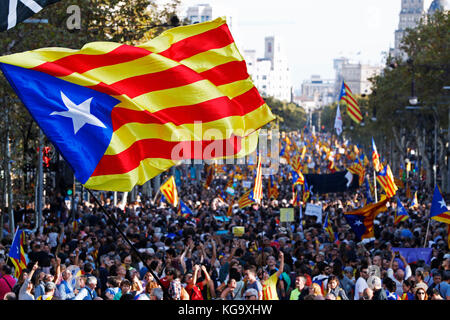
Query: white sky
x,y
314,31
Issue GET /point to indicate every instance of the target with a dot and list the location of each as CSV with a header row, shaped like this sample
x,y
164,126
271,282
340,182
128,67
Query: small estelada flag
x,y
169,190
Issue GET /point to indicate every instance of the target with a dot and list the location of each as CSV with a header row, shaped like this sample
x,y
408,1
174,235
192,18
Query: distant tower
x,y
411,13
436,5
199,13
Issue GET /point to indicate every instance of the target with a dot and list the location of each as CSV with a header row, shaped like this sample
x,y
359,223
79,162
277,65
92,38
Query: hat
x,y
446,256
348,269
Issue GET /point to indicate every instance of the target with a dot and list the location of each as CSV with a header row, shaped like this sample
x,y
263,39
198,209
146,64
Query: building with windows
x,y
411,13
356,75
319,90
271,73
199,13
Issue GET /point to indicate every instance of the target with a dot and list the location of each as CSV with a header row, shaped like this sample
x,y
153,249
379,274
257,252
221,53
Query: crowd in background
x,y
197,257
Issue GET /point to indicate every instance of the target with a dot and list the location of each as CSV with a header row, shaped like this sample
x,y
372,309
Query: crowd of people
x,y
197,256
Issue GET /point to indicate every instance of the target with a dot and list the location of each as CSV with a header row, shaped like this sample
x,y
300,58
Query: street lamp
x,y
413,100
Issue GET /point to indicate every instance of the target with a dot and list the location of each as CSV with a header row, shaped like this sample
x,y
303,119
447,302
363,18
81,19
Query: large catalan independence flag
x,y
347,97
122,114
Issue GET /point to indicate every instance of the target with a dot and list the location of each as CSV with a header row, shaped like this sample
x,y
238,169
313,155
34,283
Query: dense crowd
x,y
197,257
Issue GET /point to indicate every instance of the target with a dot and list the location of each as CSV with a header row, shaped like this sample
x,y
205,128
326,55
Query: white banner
x,y
314,210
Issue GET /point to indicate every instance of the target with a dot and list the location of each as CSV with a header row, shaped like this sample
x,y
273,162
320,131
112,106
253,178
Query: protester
x,y
196,256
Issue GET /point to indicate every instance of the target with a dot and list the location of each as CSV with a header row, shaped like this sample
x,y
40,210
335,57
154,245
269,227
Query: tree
x,y
289,116
129,22
424,74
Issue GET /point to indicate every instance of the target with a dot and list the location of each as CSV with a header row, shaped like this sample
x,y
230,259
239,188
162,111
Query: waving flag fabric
x,y
347,97
361,220
414,202
327,226
257,189
401,214
17,253
367,191
375,157
169,190
386,179
183,210
338,121
122,114
297,178
13,12
246,199
272,188
439,210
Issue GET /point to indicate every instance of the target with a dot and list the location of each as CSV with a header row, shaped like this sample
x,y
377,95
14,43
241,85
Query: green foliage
x,y
131,22
289,116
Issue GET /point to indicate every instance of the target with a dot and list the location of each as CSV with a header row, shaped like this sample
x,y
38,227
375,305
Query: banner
x,y
342,181
413,255
238,231
314,210
246,184
287,215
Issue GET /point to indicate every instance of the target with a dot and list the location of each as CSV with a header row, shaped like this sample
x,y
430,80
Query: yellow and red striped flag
x,y
246,199
142,104
257,189
169,190
295,162
210,171
347,97
376,158
386,179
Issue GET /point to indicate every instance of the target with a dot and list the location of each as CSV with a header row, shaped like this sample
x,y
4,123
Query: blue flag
x,y
439,210
367,192
57,108
184,209
356,222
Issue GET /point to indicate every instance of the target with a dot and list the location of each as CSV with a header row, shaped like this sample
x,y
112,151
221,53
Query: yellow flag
x,y
169,190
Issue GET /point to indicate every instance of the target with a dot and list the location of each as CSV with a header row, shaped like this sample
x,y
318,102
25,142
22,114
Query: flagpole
x,y
426,235
375,185
156,195
166,294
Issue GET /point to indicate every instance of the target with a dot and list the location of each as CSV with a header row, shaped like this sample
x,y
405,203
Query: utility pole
x,y
8,182
39,184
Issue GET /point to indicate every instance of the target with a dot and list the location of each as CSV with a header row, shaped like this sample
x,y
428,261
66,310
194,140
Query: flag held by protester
x,y
439,210
386,179
341,181
375,157
122,114
361,220
17,253
400,214
169,190
184,210
328,227
347,97
246,199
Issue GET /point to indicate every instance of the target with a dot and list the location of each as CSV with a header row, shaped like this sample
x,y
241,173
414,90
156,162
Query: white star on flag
x,y
358,223
442,203
80,114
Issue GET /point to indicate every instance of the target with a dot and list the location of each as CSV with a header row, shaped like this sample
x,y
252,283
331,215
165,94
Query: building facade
x,y
199,13
356,75
271,73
